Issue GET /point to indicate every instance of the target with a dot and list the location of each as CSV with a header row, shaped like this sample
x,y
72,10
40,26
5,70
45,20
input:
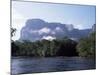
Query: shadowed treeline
x,y
57,47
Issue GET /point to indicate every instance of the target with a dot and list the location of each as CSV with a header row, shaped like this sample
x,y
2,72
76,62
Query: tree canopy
x,y
86,46
44,48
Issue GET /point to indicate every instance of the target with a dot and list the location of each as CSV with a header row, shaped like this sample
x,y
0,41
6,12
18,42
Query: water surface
x,y
22,65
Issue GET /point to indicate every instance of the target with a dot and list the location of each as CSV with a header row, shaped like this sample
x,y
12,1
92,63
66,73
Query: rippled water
x,y
24,65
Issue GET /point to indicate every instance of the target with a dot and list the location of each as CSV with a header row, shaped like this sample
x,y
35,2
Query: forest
x,y
85,47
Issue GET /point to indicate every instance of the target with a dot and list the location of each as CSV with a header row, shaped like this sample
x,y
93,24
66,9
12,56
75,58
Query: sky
x,y
81,16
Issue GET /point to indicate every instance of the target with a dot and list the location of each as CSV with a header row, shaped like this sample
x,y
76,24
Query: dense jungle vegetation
x,y
85,47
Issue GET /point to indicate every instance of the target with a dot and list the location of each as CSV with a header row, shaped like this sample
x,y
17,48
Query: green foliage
x,y
86,46
44,48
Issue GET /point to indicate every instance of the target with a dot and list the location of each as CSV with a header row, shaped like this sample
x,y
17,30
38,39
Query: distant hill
x,y
37,29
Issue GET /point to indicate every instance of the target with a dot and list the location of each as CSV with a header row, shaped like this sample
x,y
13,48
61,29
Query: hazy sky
x,y
82,17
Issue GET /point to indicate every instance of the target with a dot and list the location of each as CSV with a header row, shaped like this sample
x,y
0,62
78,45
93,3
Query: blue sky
x,y
81,16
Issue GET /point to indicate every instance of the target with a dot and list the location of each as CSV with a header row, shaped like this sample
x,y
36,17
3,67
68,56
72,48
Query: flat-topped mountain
x,y
37,29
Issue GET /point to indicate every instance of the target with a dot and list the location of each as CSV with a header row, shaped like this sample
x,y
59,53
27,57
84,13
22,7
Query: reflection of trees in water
x,y
51,64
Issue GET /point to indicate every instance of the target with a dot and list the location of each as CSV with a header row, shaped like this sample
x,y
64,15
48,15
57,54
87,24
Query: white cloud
x,y
41,31
44,30
58,29
79,26
49,38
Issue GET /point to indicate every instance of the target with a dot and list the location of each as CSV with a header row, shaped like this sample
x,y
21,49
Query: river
x,y
24,65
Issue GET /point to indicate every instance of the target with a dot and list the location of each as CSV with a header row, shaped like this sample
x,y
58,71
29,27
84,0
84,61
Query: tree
x,y
86,46
45,48
67,48
13,30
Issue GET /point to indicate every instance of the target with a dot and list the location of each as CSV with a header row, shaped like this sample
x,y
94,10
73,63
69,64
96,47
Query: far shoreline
x,y
38,57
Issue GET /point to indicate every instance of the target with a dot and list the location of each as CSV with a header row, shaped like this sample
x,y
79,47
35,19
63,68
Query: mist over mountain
x,y
37,29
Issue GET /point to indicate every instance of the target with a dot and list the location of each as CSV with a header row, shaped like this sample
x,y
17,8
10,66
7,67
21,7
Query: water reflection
x,y
33,65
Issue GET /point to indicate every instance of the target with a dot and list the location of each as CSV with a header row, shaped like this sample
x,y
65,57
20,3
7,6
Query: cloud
x,y
79,26
70,27
41,31
44,30
58,29
49,38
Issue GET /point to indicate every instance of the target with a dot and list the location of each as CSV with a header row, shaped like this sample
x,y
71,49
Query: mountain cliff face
x,y
94,27
37,29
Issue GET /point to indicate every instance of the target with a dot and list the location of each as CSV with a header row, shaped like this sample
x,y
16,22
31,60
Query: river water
x,y
24,65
